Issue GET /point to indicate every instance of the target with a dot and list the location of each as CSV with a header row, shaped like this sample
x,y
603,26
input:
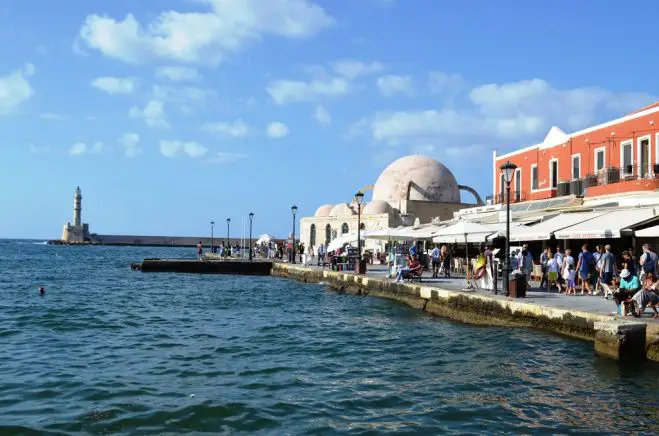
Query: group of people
x,y
632,284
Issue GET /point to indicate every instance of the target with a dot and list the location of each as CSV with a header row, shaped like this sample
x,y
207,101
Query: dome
x,y
427,179
341,209
377,207
324,210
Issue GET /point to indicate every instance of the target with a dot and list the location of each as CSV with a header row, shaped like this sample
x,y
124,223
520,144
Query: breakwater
x,y
619,339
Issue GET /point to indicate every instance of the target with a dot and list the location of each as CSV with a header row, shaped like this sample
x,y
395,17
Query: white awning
x,y
347,238
650,232
464,231
543,230
607,225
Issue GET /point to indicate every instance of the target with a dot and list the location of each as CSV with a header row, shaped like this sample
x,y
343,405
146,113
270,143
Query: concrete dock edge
x,y
617,339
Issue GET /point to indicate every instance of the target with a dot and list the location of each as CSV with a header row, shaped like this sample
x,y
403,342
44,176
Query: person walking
x,y
435,256
648,262
200,250
544,260
445,256
586,267
607,269
525,262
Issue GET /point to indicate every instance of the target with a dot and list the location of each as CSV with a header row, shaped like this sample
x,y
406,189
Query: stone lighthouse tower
x,y
77,208
79,231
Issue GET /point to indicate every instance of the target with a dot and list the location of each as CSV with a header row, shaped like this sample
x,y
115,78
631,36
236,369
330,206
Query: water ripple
x,y
112,351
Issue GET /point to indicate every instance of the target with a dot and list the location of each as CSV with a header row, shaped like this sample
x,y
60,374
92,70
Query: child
x,y
569,274
552,271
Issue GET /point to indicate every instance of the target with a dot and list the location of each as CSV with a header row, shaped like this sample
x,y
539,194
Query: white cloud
x,y
15,89
235,129
226,157
178,74
513,114
80,148
391,85
115,85
351,69
277,130
174,149
322,116
293,91
206,36
153,114
130,143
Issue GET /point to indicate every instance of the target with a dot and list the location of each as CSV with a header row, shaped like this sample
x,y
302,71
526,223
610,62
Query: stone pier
x,y
624,339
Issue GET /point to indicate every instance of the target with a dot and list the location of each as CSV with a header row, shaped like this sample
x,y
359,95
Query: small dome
x,y
424,178
377,207
324,210
341,209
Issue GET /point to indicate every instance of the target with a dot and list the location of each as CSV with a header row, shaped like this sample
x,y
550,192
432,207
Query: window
x,y
600,159
627,158
576,166
344,228
328,234
643,156
518,185
502,188
312,235
534,177
553,173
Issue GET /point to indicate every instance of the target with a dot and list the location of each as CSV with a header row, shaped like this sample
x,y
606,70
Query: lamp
x,y
507,169
228,224
212,240
294,212
359,197
251,218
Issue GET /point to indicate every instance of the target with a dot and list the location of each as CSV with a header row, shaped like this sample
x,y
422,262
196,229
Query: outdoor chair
x,y
414,276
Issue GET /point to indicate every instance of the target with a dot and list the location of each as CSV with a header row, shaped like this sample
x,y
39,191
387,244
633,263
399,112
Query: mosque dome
x,y
324,210
426,179
377,207
341,209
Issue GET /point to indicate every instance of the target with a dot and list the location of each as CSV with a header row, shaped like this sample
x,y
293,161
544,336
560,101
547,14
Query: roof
x,y
607,225
544,230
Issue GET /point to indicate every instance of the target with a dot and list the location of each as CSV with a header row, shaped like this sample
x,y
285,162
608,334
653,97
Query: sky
x,y
172,113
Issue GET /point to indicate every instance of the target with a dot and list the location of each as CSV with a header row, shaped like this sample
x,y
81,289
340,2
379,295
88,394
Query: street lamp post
x,y
294,212
227,244
251,218
212,240
359,196
507,169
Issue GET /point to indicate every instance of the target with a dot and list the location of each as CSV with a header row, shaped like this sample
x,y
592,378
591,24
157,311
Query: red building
x,y
614,157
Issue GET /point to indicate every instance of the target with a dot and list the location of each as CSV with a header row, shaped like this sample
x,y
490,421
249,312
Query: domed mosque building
x,y
412,190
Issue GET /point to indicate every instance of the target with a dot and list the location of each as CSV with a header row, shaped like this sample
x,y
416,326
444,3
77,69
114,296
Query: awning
x,y
464,231
342,240
650,232
608,225
543,230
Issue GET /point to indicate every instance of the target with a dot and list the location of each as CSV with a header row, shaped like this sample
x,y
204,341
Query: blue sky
x,y
171,113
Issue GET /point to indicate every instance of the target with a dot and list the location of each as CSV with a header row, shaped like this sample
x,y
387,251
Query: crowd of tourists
x,y
631,283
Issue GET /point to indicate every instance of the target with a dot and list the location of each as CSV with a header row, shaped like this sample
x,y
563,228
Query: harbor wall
x,y
619,339
164,241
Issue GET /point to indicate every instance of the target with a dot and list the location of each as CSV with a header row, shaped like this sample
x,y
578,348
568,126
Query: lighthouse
x,y
77,208
78,232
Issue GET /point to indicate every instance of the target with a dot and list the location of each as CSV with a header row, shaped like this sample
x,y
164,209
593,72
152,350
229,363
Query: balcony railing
x,y
515,197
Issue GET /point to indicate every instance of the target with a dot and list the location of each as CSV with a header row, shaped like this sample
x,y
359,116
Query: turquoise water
x,y
108,350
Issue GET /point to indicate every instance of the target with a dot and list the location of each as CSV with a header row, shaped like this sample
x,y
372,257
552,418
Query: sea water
x,y
108,350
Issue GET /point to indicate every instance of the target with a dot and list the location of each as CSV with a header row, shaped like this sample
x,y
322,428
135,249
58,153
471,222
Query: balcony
x,y
615,180
515,197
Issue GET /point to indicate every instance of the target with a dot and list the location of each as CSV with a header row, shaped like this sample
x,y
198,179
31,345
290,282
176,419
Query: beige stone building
x,y
414,189
78,231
